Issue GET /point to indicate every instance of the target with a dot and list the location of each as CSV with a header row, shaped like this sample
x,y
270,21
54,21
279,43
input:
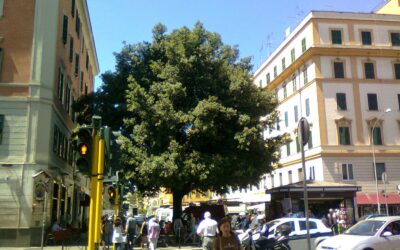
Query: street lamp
x,y
373,158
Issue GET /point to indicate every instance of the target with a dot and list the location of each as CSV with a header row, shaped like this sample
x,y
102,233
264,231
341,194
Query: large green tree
x,y
194,119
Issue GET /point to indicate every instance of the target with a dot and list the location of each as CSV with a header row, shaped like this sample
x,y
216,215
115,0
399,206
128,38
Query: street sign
x,y
303,131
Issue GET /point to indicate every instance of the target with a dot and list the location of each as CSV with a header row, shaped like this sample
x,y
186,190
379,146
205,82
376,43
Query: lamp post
x,y
373,158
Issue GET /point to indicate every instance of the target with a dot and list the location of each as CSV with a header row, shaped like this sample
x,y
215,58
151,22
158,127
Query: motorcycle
x,y
254,241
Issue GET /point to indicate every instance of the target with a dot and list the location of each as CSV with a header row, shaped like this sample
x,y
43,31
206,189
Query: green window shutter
x,y
303,45
71,49
275,72
310,143
65,29
377,136
296,114
77,25
72,8
288,149
366,38
336,36
76,71
293,55
307,107
283,64
286,119
1,128
297,144
344,136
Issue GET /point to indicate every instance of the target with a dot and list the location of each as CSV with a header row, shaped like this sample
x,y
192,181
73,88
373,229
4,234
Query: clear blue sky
x,y
256,26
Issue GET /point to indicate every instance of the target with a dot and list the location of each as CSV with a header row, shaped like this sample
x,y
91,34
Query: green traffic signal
x,y
83,152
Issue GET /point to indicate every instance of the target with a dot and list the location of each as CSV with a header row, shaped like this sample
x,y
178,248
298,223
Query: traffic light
x,y
84,150
112,193
113,152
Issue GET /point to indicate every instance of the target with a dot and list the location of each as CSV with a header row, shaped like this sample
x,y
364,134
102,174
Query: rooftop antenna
x,y
265,44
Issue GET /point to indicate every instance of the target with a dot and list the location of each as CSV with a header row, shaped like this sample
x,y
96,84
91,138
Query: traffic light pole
x,y
93,191
99,193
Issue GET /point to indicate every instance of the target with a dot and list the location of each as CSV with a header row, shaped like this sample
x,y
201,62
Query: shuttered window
x,y
65,30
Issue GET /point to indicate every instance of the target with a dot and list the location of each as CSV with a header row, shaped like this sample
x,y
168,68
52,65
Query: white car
x,y
298,226
372,234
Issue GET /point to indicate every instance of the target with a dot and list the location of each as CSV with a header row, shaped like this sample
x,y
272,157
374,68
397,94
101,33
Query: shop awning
x,y
368,199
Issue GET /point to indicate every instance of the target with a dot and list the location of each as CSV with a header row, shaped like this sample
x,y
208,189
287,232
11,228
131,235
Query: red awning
x,y
363,199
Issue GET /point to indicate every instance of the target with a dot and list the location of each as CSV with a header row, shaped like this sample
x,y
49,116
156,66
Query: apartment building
x,y
341,71
47,60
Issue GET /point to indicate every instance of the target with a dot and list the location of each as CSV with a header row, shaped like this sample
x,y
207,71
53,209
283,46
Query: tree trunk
x,y
177,202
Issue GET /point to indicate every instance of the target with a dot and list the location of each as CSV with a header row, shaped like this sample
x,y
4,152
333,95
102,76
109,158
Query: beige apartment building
x,y
341,71
47,60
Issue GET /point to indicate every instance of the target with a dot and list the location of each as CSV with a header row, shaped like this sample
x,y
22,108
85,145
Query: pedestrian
x,y
153,233
208,229
143,234
131,229
192,234
118,234
226,239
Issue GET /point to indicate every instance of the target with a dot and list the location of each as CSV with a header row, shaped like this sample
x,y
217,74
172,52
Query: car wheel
x,y
368,249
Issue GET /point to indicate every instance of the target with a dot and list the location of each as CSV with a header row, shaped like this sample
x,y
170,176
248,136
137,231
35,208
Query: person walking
x,y
118,234
131,228
154,233
226,239
208,229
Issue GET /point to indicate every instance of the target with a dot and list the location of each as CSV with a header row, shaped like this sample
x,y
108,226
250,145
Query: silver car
x,y
372,234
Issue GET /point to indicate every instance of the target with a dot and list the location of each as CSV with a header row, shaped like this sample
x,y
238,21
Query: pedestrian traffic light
x,y
84,150
112,193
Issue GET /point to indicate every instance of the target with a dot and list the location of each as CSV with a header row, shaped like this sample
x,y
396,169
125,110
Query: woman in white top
x,y
118,234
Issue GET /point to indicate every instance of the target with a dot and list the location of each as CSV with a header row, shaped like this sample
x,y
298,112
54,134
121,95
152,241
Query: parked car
x,y
374,233
298,227
370,216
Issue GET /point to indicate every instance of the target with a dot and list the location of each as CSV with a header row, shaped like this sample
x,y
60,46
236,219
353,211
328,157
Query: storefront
x,y
322,196
367,203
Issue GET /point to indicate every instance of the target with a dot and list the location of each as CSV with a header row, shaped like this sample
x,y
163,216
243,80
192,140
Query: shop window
x,y
347,171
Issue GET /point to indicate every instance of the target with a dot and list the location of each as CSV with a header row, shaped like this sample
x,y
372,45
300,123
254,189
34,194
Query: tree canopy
x,y
192,117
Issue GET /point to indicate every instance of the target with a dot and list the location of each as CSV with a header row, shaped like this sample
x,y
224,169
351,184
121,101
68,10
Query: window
x,y
284,91
300,174
81,82
338,69
311,174
283,64
60,84
288,148
76,71
380,169
280,179
87,60
344,135
72,8
71,49
336,36
86,89
260,84
272,181
293,55
278,127
294,83
1,128
310,143
366,37
303,45
311,224
275,71
369,70
395,38
341,101
290,177
55,139
268,78
65,29
287,118
297,144
1,7
347,171
67,97
305,76
398,100
296,114
397,71
77,25
307,107
376,136
372,102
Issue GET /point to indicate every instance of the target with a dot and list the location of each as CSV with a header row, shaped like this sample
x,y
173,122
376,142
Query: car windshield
x,y
273,222
367,228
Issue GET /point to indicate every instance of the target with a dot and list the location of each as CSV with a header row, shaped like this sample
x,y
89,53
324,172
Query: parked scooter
x,y
280,241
